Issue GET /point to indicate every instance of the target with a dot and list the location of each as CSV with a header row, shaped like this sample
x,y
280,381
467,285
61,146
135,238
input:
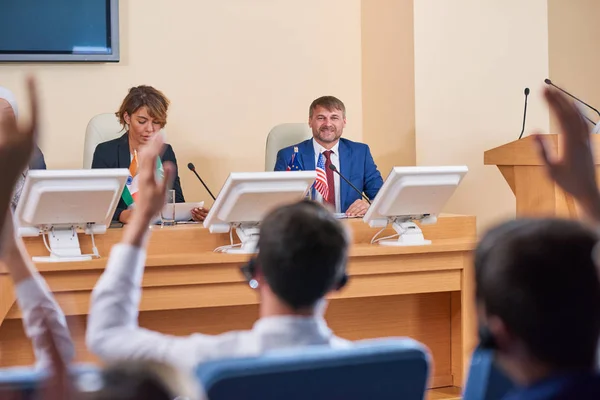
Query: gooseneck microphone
x,y
549,82
334,169
524,112
192,168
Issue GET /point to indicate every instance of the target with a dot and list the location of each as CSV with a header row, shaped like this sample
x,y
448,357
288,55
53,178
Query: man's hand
x,y
575,172
199,214
151,193
16,142
358,208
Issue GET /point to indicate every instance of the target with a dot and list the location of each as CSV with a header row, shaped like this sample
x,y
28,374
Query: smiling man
x,y
327,120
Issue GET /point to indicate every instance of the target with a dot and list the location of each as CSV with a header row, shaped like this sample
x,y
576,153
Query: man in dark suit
x,y
327,119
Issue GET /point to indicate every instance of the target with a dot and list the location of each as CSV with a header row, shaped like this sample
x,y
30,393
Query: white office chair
x,y
284,135
102,128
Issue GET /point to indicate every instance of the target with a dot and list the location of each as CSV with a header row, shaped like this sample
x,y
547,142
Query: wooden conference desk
x,y
423,292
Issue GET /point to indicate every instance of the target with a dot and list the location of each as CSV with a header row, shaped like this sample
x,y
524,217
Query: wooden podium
x,y
522,167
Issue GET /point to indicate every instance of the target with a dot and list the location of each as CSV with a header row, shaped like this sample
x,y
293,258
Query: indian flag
x,y
130,191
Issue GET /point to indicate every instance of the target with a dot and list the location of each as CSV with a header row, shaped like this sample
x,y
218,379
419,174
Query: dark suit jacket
x,y
37,159
356,164
115,154
582,386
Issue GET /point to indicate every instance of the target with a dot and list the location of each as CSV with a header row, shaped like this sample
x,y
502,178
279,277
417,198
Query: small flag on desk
x,y
294,164
130,191
320,184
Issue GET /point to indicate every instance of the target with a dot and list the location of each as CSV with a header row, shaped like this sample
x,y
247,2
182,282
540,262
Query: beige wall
x,y
472,61
388,82
232,69
574,41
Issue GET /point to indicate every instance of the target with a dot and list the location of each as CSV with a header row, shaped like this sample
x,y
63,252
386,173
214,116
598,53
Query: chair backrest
x,y
26,380
381,369
281,136
102,128
485,380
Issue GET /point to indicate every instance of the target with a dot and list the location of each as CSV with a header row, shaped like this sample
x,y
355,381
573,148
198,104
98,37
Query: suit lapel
x,y
346,170
124,156
307,155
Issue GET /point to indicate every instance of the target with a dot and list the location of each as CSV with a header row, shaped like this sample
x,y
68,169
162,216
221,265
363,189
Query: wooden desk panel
x,y
405,291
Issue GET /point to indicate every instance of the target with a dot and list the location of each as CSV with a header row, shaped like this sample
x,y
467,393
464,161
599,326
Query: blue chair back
x,y
485,380
375,369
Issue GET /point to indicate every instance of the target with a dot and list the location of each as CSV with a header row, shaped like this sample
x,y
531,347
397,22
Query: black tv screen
x,y
59,30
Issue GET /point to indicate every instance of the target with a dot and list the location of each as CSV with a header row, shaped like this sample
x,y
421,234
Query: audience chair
x,y
102,128
375,369
282,136
485,380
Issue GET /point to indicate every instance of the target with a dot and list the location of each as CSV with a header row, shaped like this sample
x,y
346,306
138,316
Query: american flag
x,y
321,181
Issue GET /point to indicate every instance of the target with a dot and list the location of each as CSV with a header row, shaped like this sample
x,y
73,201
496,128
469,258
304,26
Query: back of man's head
x,y
302,253
539,278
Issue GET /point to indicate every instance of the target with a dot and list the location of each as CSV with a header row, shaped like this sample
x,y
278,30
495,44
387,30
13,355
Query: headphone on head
x,y
249,270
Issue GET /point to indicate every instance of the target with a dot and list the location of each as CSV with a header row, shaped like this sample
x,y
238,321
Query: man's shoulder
x,y
354,145
290,149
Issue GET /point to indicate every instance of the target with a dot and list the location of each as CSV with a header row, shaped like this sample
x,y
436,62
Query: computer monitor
x,y
60,203
245,199
412,194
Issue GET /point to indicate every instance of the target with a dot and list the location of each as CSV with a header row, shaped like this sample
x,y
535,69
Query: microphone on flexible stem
x,y
549,82
334,169
192,168
524,112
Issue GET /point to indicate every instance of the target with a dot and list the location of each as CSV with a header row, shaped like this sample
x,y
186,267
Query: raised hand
x,y
151,193
574,171
16,141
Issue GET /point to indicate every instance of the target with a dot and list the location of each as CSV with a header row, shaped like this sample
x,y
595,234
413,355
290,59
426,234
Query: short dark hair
x,y
144,96
539,277
302,252
330,103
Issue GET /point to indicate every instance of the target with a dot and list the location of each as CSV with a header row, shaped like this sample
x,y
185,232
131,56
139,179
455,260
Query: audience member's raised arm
x,y
113,332
575,171
42,316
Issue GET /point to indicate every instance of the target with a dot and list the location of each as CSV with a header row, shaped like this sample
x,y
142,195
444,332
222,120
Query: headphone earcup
x,y
343,281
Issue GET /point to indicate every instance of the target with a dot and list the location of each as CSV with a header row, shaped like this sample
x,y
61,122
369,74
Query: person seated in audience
x,y
327,120
38,307
538,302
537,281
8,103
302,257
143,113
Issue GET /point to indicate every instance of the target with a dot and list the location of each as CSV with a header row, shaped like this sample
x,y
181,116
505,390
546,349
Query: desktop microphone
x,y
524,112
334,169
192,168
549,82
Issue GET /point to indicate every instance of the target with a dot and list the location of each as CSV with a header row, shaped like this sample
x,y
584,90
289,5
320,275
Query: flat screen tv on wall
x,y
59,30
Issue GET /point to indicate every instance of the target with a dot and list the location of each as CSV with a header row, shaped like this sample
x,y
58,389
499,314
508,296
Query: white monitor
x,y
61,203
412,194
245,199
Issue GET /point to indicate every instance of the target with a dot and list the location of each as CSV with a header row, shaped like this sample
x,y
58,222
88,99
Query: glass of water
x,y
167,215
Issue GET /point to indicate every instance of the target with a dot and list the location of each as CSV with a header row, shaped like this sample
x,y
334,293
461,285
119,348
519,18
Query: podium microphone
x,y
192,168
334,169
524,112
549,82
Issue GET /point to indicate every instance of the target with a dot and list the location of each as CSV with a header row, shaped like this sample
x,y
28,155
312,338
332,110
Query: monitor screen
x,y
59,30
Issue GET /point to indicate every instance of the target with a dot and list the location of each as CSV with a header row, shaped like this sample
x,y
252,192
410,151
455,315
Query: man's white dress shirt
x,y
113,332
